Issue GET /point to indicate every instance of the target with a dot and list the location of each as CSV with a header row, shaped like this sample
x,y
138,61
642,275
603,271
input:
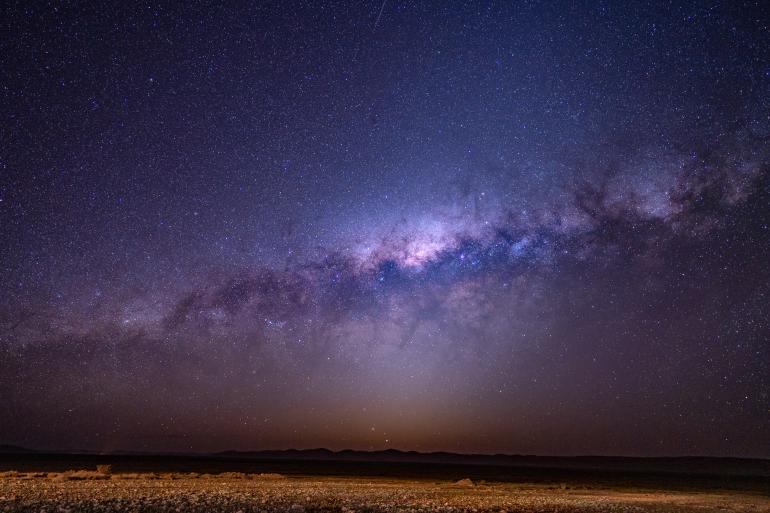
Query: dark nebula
x,y
515,227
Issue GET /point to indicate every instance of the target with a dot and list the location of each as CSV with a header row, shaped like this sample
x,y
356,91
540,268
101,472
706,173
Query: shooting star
x,y
382,8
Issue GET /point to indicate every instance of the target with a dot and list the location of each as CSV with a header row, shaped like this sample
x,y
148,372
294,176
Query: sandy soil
x,y
88,492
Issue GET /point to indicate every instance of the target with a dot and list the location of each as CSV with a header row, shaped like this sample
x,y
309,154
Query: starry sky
x,y
520,227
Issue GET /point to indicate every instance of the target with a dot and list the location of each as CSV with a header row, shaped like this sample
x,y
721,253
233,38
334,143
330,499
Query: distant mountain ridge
x,y
666,464
688,464
14,449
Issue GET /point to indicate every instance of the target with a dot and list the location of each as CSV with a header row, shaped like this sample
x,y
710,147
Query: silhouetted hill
x,y
584,471
14,449
689,465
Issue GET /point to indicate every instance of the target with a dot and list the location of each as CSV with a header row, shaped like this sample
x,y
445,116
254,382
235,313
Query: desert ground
x,y
107,491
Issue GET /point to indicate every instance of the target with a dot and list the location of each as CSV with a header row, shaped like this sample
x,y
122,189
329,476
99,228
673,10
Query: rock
x,y
464,482
104,469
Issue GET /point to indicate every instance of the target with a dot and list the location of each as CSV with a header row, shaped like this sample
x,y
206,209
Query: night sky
x,y
520,227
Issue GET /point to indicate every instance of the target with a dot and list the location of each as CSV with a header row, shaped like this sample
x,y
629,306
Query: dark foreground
x,y
65,483
270,493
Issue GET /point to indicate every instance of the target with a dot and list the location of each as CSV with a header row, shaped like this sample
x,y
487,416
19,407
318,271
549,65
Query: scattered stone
x,y
180,493
269,476
104,469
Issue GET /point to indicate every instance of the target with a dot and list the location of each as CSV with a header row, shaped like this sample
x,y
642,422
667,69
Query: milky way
x,y
534,228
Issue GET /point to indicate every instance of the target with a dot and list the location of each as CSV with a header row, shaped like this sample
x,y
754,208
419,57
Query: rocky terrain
x,y
103,491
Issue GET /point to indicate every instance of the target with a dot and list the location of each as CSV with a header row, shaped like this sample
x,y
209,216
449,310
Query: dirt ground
x,y
86,491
